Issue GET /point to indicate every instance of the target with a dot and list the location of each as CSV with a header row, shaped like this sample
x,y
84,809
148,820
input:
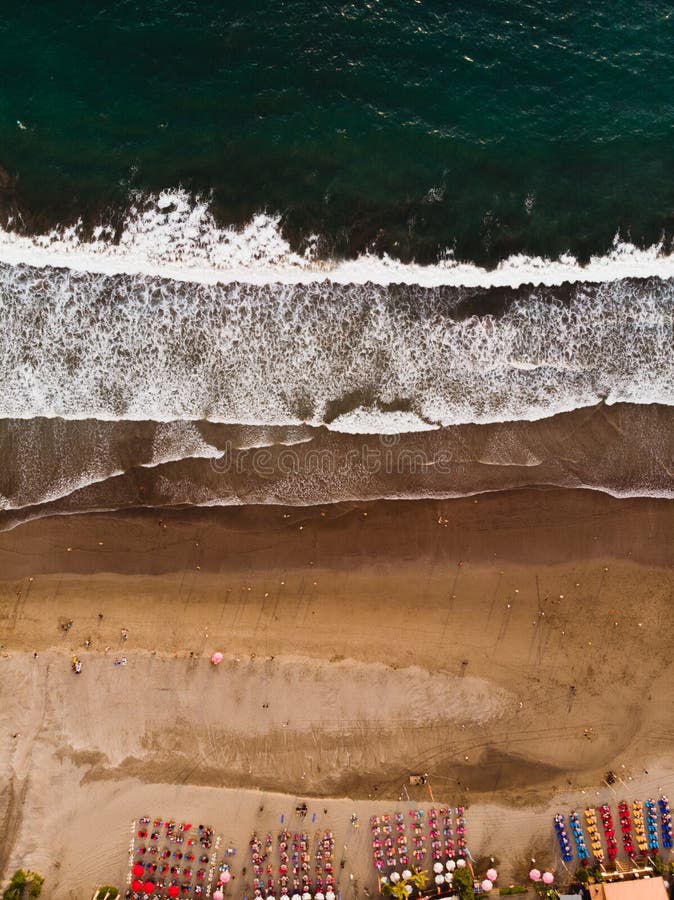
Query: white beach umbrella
x,y
319,896
407,874
438,867
285,897
451,865
330,895
306,896
439,879
461,863
449,878
296,897
395,877
409,888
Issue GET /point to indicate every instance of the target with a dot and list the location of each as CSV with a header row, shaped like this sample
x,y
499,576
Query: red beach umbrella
x,y
137,886
173,890
149,887
138,870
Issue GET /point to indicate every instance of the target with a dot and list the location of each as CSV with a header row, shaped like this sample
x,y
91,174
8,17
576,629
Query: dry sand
x,y
363,644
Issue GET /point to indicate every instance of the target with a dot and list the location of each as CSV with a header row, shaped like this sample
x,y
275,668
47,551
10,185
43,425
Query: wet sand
x,y
57,466
513,646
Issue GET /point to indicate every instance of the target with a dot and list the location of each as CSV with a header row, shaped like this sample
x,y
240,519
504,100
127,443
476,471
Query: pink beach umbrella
x,y
217,658
487,885
548,877
225,876
535,875
218,895
492,875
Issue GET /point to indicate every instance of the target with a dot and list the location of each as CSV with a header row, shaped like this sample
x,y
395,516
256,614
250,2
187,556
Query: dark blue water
x,y
488,127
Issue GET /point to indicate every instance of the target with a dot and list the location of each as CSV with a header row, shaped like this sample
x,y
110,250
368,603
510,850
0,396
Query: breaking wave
x,y
175,235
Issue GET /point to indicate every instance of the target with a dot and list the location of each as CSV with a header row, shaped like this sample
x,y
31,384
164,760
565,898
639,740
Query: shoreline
x,y
89,465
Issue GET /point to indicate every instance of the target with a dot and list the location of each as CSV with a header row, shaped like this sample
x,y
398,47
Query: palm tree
x,y
419,879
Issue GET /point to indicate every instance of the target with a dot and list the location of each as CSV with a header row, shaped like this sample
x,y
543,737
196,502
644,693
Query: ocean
x,y
304,253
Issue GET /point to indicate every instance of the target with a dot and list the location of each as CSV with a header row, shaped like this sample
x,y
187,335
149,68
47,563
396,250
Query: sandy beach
x,y
512,646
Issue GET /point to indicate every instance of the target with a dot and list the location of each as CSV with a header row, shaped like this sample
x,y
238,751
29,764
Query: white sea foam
x,y
81,346
377,421
92,461
174,235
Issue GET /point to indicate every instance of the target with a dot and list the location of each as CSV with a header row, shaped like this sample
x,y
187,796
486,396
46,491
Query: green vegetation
x,y
107,891
658,865
396,891
463,884
419,879
24,885
513,889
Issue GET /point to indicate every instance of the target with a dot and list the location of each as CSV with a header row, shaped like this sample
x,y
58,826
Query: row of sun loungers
x,y
395,842
609,831
170,859
441,834
295,874
645,827
563,838
665,822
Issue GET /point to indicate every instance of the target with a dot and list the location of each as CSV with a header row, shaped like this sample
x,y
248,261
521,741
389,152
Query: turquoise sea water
x,y
412,126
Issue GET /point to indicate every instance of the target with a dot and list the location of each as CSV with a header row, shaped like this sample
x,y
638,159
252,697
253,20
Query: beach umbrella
x,y
407,874
225,876
535,875
461,863
138,870
487,885
137,886
285,897
306,896
319,896
149,887
395,877
173,890
218,895
492,874
217,658
451,865
296,897
330,895
548,877
408,888
449,878
439,879
438,867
